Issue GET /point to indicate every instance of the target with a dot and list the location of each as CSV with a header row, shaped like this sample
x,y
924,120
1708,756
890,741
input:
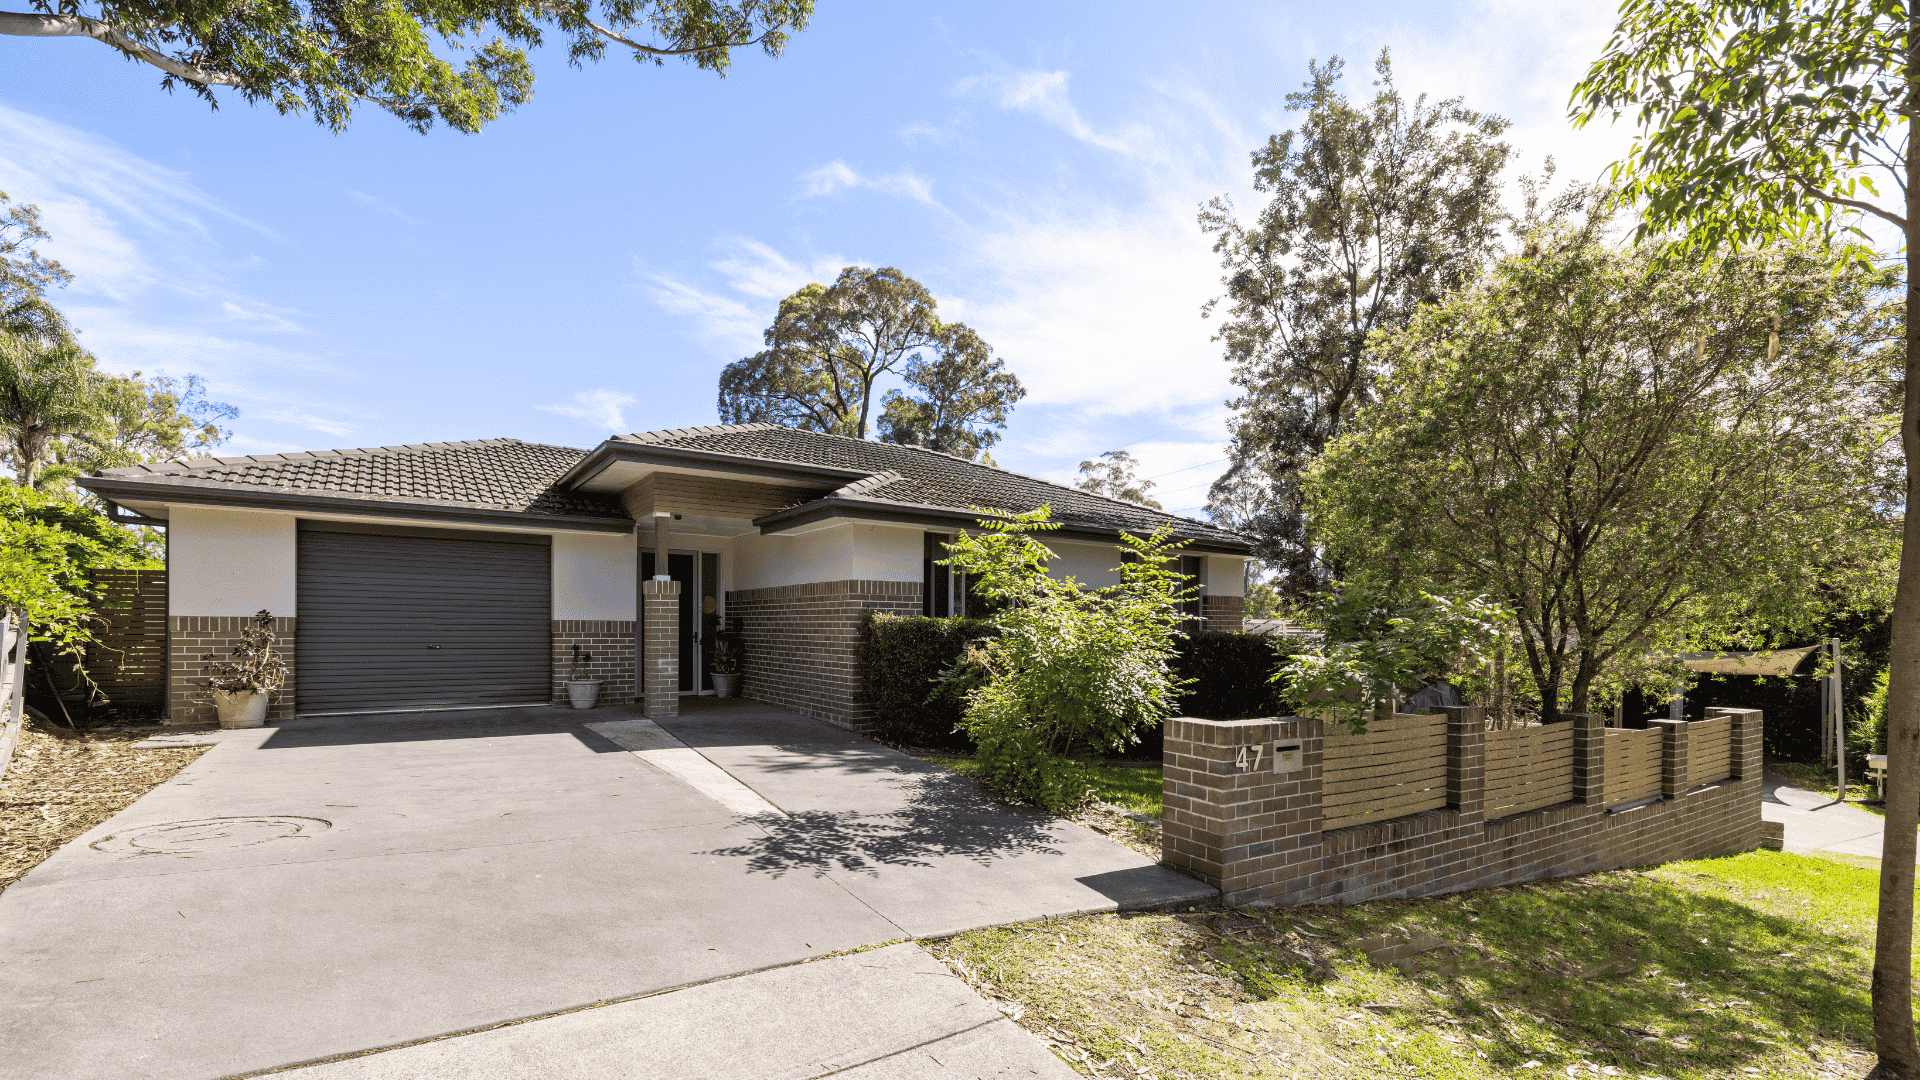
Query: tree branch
x,y
34,24
567,9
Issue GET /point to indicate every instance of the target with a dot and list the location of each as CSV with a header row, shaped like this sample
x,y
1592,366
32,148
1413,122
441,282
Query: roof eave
x,y
119,490
838,506
614,450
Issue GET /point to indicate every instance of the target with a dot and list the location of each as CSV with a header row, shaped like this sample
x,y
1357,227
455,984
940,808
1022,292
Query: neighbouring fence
x,y
13,682
1298,810
127,660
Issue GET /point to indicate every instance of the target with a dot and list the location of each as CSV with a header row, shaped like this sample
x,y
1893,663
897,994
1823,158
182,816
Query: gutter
x,y
838,506
117,491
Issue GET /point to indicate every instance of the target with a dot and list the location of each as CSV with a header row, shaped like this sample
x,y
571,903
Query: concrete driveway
x,y
339,885
1815,822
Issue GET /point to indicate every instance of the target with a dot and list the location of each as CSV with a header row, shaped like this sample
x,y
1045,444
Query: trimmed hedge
x,y
1232,675
899,659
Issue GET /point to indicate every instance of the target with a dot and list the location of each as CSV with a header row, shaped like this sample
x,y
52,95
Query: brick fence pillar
x,y
1589,758
1744,755
1242,804
1673,758
1467,762
660,646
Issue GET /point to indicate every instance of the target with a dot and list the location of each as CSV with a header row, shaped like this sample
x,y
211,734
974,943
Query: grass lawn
x,y
1750,965
1128,787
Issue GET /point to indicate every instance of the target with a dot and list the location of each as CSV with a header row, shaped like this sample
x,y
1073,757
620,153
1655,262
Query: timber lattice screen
x,y
1709,750
1528,768
128,660
1398,767
1634,758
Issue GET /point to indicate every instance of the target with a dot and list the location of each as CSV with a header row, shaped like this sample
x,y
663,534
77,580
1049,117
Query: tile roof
x,y
913,476
488,474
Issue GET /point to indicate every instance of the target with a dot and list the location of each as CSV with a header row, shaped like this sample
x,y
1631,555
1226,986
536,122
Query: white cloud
x,y
1044,94
837,176
601,408
754,271
308,420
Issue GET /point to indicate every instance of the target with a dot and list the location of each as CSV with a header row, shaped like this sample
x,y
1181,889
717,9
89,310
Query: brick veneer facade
x,y
1256,834
800,642
191,637
1224,613
611,644
660,665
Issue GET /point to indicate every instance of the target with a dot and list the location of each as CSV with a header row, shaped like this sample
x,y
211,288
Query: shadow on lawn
x,y
944,816
1655,976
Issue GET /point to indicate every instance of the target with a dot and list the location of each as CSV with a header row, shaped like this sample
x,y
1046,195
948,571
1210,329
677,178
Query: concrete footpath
x,y
346,884
1815,822
893,1013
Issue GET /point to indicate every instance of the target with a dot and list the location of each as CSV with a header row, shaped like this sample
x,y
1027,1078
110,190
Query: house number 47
x,y
1249,757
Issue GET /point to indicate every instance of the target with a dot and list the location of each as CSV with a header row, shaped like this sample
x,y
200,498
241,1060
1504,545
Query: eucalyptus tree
x,y
1112,475
461,62
1376,208
25,274
49,394
830,345
1767,118
1628,452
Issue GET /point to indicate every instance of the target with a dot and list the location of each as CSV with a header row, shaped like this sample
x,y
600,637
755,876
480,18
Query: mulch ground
x,y
61,784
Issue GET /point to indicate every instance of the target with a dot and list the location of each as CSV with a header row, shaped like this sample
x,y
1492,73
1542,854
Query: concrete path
x,y
893,1013
334,886
1814,822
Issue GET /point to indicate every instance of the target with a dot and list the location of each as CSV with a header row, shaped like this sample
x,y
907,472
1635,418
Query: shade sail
x,y
1774,662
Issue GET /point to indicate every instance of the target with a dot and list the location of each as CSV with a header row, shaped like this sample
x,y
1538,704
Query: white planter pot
x,y
240,708
583,692
726,685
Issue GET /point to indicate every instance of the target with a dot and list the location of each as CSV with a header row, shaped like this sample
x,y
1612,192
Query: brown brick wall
x,y
194,636
800,642
1256,833
1225,613
611,644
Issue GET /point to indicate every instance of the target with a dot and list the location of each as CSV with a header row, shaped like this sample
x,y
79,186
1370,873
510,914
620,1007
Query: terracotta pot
x,y
582,693
240,708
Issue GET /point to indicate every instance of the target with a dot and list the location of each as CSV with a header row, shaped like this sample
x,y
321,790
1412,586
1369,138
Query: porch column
x,y
660,637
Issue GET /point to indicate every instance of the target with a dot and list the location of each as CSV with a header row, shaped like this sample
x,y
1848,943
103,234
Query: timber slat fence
x,y
1398,767
1634,764
128,659
1528,768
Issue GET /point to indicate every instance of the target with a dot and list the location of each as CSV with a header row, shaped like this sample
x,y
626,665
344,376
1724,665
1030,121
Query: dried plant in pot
x,y
242,685
582,692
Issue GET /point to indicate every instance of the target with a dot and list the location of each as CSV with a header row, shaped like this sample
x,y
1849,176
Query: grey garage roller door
x,y
408,618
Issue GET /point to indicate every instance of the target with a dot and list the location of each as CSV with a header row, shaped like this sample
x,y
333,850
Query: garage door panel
x,y
370,605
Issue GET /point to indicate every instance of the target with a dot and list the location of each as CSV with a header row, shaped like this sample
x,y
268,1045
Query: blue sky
x,y
589,263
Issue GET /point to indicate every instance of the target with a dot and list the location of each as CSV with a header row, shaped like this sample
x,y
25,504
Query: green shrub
x,y
902,662
1230,676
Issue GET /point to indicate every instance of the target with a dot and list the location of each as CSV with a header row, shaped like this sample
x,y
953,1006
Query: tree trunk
x,y
1893,1033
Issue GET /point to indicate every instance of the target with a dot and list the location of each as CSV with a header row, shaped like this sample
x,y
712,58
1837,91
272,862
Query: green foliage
x,y
25,274
47,545
327,56
829,346
1229,676
1072,667
1868,734
907,673
1377,208
1631,456
1378,645
1758,121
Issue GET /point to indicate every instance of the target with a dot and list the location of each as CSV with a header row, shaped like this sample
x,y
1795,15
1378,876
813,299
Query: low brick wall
x,y
1234,820
194,636
800,642
1224,613
610,643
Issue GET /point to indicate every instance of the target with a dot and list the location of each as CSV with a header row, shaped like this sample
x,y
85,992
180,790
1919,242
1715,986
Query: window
x,y
1194,569
936,585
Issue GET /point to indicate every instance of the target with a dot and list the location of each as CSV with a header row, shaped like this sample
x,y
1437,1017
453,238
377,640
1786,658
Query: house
x,y
467,574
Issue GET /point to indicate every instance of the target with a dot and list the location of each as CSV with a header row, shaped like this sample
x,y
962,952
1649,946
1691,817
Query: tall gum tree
x,y
1759,120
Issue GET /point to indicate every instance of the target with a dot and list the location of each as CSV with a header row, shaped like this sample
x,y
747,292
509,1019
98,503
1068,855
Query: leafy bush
x,y
47,544
903,666
1230,676
1071,668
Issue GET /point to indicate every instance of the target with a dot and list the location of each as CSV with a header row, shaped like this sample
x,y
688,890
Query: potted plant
x,y
582,692
243,684
728,658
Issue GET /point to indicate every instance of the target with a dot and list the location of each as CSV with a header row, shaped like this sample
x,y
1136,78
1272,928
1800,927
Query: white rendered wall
x,y
593,576
847,551
230,562
1226,575
1092,565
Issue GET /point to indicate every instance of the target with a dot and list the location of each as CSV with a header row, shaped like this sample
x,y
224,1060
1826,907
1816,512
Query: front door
x,y
680,567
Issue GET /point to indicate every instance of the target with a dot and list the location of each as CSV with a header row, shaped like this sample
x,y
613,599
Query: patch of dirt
x,y
1113,823
60,785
